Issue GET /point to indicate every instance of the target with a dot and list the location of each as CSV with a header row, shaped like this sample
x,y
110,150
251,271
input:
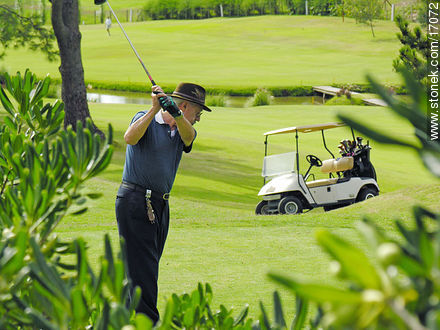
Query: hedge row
x,y
240,91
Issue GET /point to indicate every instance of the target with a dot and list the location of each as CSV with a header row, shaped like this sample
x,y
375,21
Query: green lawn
x,y
233,53
215,236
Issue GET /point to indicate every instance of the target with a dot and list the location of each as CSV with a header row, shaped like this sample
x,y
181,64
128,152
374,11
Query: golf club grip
x,y
157,92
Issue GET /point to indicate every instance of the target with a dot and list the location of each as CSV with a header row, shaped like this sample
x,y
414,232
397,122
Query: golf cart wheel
x,y
262,208
290,205
367,193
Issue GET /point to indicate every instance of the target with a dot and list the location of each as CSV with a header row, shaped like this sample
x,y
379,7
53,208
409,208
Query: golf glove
x,y
168,104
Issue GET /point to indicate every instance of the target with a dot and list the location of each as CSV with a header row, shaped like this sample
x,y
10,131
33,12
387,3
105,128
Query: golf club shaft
x,y
132,47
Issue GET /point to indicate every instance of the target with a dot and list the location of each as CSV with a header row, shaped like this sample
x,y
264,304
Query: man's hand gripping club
x,y
168,104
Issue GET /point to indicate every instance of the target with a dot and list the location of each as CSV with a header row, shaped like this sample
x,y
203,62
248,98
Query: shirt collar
x,y
159,117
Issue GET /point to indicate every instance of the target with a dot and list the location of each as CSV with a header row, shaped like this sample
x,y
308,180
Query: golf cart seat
x,y
332,166
337,165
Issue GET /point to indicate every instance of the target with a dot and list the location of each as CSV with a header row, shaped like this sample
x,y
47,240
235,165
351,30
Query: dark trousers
x,y
144,243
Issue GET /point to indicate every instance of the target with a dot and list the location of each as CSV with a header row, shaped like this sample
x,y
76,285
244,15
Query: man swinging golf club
x,y
155,142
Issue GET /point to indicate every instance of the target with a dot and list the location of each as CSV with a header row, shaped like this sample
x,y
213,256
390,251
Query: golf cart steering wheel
x,y
313,160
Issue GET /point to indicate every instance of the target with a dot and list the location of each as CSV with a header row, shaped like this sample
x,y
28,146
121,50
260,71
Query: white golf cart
x,y
351,177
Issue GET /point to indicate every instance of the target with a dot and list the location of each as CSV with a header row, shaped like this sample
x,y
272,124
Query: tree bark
x,y
372,30
73,90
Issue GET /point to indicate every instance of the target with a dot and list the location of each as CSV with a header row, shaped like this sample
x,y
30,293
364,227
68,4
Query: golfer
x,y
155,142
108,24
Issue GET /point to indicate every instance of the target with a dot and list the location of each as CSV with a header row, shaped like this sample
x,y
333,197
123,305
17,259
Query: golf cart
x,y
351,177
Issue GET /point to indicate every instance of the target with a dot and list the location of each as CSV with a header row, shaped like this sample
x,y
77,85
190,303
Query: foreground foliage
x,y
43,171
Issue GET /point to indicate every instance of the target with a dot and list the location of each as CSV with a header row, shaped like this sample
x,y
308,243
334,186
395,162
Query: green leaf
x,y
316,292
301,313
103,321
355,264
371,232
109,257
3,163
94,195
431,160
143,322
371,133
10,123
81,261
49,276
412,267
80,200
264,319
170,309
79,306
242,316
12,262
416,118
7,104
136,297
278,310
80,211
39,320
426,250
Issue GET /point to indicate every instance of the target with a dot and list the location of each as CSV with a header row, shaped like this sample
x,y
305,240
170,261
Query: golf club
x,y
341,149
100,2
346,146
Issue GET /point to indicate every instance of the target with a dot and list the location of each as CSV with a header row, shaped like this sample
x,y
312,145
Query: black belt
x,y
147,192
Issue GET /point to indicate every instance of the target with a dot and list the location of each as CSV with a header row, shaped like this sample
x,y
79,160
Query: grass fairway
x,y
233,53
215,236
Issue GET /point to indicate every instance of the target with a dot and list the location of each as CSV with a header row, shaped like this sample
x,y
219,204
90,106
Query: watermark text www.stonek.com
x,y
433,72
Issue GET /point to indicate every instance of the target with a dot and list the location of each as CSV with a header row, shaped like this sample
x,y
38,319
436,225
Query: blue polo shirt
x,y
153,161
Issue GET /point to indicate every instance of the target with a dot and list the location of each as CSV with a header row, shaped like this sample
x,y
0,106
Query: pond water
x,y
231,101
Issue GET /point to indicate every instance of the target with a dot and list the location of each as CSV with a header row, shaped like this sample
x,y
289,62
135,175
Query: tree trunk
x,y
73,89
372,30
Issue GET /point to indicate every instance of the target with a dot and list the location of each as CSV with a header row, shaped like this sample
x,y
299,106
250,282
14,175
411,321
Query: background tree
x,y
65,18
364,11
413,55
19,29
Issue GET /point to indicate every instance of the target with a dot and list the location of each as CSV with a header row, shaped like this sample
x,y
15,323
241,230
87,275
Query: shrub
x,y
42,173
194,311
261,97
216,100
346,100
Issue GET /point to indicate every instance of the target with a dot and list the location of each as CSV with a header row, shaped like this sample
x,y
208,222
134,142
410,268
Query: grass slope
x,y
215,236
236,53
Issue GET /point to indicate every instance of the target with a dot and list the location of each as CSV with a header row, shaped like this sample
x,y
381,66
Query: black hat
x,y
191,92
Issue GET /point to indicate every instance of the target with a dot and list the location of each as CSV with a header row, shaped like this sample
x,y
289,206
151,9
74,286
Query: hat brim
x,y
191,100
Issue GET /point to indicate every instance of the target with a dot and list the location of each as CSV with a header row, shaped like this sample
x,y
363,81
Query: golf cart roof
x,y
305,129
